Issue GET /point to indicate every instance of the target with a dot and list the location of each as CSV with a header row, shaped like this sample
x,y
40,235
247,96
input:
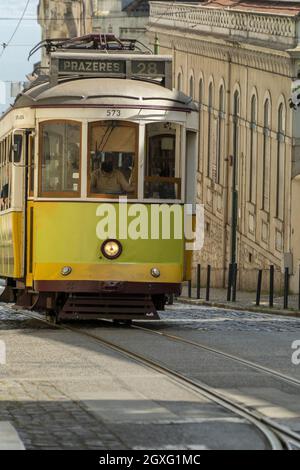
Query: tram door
x,y
21,188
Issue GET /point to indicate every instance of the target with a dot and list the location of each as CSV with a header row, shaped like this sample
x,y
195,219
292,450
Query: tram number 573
x,y
113,113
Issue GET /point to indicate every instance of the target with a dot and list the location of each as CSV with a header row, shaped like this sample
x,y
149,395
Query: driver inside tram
x,y
109,180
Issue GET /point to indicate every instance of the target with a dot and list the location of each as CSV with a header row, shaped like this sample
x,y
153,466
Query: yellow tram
x,y
102,133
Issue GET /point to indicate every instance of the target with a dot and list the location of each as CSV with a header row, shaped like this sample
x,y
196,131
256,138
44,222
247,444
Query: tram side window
x,y
17,148
162,173
112,158
60,151
5,174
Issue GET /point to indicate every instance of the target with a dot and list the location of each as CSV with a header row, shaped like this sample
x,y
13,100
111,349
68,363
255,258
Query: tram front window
x,y
60,158
162,169
112,150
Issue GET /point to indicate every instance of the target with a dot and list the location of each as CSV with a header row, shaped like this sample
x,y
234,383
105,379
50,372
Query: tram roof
x,y
104,92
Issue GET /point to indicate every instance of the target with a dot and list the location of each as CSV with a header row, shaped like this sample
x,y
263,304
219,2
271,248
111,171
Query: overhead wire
x,y
6,44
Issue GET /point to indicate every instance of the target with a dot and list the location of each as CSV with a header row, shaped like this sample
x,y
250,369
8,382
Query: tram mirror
x,y
17,145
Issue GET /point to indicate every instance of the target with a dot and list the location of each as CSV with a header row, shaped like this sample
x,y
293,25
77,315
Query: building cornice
x,y
277,62
281,30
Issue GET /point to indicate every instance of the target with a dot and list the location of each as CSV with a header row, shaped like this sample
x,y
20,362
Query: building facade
x,y
124,19
238,60
67,19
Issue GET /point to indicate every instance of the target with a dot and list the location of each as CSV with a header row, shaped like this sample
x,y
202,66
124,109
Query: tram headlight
x,y
111,249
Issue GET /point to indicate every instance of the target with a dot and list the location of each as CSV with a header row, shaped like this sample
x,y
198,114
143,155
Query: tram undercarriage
x,y
121,301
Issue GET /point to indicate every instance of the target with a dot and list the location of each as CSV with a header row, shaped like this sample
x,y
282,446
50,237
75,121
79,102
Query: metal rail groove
x,y
250,364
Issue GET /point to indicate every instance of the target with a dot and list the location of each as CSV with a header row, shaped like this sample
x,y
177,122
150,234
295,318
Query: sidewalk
x,y
244,301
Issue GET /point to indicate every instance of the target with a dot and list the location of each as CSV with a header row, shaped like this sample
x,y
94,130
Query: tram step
x,y
115,307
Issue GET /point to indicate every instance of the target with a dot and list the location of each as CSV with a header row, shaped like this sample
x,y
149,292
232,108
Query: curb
x,y
226,306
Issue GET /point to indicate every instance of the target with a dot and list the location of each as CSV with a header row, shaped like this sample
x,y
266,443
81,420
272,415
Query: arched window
x,y
179,81
280,177
266,158
252,150
236,113
219,139
191,87
200,122
209,129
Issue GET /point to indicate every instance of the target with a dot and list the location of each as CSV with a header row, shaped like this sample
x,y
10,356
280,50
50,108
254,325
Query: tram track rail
x,y
252,365
276,436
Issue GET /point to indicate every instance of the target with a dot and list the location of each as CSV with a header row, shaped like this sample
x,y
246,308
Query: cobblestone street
x,y
59,390
47,419
45,416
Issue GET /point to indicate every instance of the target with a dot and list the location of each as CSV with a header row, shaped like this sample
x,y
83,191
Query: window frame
x,y
236,137
130,196
220,130
31,164
266,156
280,163
192,86
6,167
210,111
179,180
58,194
253,149
200,117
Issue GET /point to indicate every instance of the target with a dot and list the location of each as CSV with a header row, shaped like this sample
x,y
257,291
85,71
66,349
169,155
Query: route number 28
x,y
145,68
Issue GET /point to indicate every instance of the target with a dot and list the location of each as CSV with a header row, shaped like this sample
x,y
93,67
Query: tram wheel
x,y
51,317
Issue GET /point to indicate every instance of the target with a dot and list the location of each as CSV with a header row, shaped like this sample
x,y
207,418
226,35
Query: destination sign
x,y
91,66
114,67
158,68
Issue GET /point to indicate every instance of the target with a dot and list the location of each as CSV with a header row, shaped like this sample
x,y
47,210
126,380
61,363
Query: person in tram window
x,y
4,196
109,180
126,167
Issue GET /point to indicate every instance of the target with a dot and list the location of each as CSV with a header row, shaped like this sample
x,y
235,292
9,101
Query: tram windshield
x,y
112,150
60,162
112,160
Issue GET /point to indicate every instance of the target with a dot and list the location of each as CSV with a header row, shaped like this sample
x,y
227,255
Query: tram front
x,y
114,163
